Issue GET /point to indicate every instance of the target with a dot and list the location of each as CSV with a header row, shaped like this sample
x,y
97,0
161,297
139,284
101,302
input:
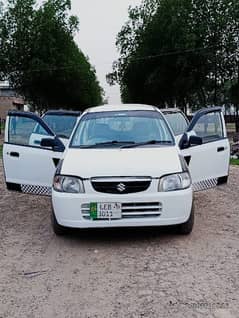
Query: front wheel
x,y
186,228
57,228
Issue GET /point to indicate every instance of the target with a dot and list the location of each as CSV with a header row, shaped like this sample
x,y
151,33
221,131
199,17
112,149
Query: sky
x,y
100,21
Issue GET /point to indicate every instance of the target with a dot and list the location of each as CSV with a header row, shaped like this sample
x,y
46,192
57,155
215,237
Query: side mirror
x,y
183,143
48,142
195,140
188,141
55,144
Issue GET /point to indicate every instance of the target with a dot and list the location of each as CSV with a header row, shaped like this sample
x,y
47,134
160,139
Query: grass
x,y
2,127
234,162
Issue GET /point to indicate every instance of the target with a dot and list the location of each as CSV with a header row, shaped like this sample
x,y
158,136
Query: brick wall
x,y
8,103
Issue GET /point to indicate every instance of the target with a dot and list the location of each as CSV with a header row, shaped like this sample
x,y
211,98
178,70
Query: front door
x,y
209,162
28,166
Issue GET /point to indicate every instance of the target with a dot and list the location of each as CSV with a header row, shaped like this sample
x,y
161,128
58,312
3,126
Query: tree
x,y
234,91
43,61
177,52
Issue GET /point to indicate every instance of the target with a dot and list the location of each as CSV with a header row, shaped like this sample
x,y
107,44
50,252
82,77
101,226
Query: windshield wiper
x,y
149,142
109,143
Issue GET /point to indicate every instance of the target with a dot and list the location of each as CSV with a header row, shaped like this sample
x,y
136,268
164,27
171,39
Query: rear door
x,y
209,162
28,166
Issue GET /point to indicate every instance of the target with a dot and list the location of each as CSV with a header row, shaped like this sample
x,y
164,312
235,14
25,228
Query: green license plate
x,y
105,211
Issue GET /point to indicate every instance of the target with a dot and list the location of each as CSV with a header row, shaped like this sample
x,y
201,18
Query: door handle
x,y
14,154
219,149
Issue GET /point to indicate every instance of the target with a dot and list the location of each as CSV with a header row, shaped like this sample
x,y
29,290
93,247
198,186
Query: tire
x,y
57,228
187,227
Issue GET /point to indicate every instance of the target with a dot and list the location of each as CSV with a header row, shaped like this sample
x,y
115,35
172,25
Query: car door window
x,y
177,122
209,127
60,124
22,131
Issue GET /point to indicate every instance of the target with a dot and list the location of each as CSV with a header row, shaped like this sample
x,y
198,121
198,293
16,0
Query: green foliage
x,y
234,162
178,51
234,91
41,59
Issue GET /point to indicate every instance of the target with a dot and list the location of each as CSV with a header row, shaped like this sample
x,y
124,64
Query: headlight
x,y
68,184
177,181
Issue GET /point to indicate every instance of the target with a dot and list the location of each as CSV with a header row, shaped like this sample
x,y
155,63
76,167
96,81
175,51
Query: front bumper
x,y
175,208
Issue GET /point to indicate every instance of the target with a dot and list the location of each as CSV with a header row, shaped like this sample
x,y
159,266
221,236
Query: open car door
x,y
206,149
31,153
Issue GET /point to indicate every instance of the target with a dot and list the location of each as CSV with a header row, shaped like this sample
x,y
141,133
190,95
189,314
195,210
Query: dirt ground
x,y
120,273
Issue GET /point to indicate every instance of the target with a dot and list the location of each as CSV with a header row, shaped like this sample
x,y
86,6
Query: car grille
x,y
131,210
120,185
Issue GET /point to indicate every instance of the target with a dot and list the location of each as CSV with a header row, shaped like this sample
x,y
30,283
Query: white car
x,y
121,168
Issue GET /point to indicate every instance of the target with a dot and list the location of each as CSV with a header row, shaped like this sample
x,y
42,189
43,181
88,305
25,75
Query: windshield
x,y
117,128
62,125
177,122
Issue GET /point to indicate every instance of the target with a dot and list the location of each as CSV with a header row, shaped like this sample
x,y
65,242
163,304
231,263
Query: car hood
x,y
153,161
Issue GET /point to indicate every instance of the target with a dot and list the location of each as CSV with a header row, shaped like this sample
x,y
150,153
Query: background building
x,y
9,99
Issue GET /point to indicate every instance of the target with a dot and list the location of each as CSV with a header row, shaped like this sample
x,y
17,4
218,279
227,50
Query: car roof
x,y
63,112
120,107
170,110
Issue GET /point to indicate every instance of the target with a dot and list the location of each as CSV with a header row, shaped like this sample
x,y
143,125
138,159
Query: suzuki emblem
x,y
121,187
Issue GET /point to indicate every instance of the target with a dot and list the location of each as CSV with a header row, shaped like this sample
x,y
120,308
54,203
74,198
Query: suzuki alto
x,y
121,168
